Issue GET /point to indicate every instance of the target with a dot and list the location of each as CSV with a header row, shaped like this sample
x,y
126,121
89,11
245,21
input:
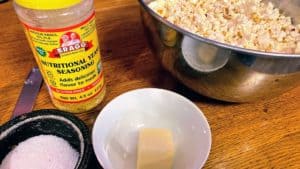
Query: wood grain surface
x,y
264,134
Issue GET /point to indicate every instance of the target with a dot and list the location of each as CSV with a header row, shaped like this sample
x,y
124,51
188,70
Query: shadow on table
x,y
94,164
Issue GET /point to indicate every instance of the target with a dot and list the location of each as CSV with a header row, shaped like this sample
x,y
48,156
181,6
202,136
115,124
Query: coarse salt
x,y
41,152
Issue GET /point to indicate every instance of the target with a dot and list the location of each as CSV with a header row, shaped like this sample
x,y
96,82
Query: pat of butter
x,y
155,149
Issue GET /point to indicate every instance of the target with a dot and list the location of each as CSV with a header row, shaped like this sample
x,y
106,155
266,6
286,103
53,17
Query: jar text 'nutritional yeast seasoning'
x,y
63,37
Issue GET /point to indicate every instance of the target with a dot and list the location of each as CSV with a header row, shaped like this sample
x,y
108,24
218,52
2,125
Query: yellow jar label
x,y
69,59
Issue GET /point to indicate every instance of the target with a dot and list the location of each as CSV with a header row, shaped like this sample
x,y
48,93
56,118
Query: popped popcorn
x,y
249,24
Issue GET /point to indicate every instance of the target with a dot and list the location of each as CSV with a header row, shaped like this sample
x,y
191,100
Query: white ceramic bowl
x,y
115,132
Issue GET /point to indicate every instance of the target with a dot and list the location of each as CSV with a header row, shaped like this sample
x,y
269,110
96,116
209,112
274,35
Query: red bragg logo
x,y
69,42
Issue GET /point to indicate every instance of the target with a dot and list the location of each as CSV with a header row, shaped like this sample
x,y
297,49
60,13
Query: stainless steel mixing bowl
x,y
219,70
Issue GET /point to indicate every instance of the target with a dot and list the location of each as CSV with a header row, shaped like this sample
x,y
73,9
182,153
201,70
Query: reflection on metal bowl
x,y
219,70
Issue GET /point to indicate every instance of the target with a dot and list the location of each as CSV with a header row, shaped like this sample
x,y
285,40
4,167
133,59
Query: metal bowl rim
x,y
216,43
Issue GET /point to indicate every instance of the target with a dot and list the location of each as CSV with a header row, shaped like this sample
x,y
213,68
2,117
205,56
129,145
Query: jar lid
x,y
46,4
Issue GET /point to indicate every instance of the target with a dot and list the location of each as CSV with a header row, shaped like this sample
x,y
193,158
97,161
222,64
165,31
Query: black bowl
x,y
48,122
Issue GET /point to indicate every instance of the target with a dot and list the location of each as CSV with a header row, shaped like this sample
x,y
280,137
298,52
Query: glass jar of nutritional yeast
x,y
63,37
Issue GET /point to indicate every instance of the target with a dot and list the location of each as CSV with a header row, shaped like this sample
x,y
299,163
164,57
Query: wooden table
x,y
265,134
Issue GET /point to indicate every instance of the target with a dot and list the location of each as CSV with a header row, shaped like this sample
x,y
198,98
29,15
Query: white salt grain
x,y
41,152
